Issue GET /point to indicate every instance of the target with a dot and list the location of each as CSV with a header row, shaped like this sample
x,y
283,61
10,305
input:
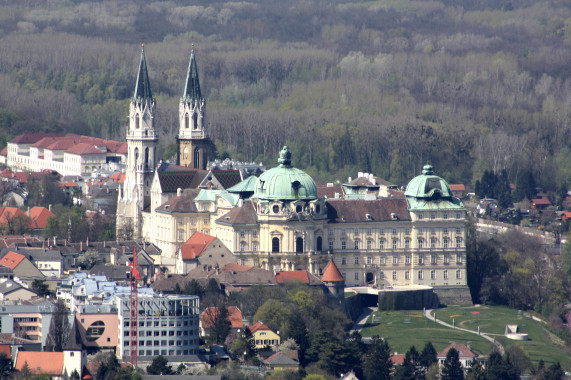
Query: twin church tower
x,y
193,145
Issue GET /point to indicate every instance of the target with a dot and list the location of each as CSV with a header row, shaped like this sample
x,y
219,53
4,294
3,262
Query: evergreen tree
x,y
499,369
5,366
553,372
298,331
525,186
377,360
428,355
411,367
452,368
159,366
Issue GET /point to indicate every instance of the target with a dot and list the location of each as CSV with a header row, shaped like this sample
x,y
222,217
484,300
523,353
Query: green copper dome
x,y
285,182
428,185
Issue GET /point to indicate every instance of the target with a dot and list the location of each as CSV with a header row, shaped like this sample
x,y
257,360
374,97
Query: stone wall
x,y
457,295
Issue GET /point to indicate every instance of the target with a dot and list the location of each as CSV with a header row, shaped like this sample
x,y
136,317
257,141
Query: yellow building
x,y
263,336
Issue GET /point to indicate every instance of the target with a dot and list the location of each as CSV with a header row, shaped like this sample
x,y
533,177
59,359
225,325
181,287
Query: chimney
x,y
81,245
50,208
349,180
178,192
55,241
240,202
360,174
28,211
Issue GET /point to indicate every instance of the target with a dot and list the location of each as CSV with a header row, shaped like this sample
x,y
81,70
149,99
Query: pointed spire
x,y
331,273
192,86
143,86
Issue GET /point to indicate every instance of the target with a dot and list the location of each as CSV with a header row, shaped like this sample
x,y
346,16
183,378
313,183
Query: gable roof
x,y
6,213
40,216
182,203
49,363
234,316
195,245
292,275
227,178
11,259
324,191
331,273
258,326
463,351
279,358
540,201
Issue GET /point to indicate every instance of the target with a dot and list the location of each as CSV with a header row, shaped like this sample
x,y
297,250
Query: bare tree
x,y
60,328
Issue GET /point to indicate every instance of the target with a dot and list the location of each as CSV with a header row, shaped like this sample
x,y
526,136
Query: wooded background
x,y
378,86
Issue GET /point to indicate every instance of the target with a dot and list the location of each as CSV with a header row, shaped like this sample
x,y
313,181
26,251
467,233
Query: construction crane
x,y
133,298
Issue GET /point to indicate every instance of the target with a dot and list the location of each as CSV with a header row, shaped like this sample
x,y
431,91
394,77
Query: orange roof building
x,y
195,245
234,316
47,363
11,260
39,216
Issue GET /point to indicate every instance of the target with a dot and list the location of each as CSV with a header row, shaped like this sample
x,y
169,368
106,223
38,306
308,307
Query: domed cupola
x,y
428,186
285,182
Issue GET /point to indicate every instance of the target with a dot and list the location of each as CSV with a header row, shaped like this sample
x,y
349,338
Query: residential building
x,y
98,327
168,326
465,355
263,336
10,290
22,267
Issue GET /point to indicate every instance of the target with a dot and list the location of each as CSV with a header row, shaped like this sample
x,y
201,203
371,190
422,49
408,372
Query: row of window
x,y
446,243
395,230
164,343
420,275
407,259
162,352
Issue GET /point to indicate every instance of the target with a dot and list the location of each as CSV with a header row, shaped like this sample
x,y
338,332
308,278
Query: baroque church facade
x,y
279,220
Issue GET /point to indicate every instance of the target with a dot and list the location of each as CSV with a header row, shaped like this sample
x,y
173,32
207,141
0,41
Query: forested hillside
x,y
379,86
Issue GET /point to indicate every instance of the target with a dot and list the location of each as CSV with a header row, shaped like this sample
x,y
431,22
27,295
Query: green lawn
x,y
403,329
542,344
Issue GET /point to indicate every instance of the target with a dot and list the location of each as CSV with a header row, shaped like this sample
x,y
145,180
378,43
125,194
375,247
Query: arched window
x,y
147,163
195,120
196,158
299,245
275,244
137,121
319,244
136,156
186,121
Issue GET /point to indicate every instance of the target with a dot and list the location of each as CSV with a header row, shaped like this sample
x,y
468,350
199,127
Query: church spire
x,y
143,86
192,92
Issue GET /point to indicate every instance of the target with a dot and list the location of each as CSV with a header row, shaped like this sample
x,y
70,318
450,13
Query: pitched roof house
x,y
207,316
465,354
202,249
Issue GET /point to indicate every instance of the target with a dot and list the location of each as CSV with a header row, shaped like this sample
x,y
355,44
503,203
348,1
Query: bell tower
x,y
194,149
142,140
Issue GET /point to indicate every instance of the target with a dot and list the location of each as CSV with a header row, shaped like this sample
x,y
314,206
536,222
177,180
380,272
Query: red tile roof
x,y
541,201
195,244
292,275
331,273
11,259
31,138
258,326
397,359
40,216
49,363
4,152
7,213
234,316
457,187
118,177
463,351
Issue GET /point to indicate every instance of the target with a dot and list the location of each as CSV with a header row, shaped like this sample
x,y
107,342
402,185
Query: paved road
x,y
362,320
427,314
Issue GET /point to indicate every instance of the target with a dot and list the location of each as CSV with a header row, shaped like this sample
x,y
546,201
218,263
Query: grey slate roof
x,y
172,180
